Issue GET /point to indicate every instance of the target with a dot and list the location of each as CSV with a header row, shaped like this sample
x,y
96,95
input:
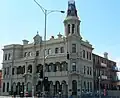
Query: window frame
x,y
73,28
49,51
68,28
74,66
74,47
83,53
5,57
62,50
3,87
37,53
56,50
7,87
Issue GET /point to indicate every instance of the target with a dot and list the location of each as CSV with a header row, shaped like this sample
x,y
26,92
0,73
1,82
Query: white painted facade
x,y
78,68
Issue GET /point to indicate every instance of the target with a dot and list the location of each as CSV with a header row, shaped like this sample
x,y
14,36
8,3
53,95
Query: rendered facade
x,y
23,63
107,70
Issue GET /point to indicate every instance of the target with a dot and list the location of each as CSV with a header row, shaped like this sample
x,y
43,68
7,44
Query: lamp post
x,y
46,12
99,86
82,75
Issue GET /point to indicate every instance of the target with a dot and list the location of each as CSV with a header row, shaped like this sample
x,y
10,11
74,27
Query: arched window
x,y
49,51
14,87
57,86
3,87
25,54
8,87
13,71
91,86
84,85
68,28
73,28
23,70
19,70
29,87
18,88
5,56
39,68
9,56
37,53
29,54
88,86
74,87
90,71
62,50
74,66
30,68
56,50
83,53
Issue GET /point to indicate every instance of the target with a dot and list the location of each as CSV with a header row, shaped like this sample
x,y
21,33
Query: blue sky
x,y
21,19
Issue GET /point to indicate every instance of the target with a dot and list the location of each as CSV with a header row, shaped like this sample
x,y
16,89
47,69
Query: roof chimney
x,y
52,37
25,42
106,55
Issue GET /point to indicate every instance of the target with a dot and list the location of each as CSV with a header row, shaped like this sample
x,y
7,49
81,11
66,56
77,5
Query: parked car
x,y
28,94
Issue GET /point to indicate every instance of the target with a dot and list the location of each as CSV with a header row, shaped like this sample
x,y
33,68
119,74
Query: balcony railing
x,y
103,65
74,72
103,77
116,69
115,79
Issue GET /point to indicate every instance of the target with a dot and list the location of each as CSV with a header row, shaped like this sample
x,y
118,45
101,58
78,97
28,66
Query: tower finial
x,y
71,1
37,32
71,8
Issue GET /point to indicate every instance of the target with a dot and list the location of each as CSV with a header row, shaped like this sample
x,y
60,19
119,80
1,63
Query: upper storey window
x,y
83,53
37,53
73,28
90,55
68,28
87,55
62,50
49,51
73,48
56,50
29,54
5,56
25,54
9,56
74,66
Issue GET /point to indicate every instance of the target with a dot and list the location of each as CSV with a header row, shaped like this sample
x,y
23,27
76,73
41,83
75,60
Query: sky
x,y
100,23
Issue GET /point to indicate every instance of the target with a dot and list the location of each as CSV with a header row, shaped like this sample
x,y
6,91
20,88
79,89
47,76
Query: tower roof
x,y
71,8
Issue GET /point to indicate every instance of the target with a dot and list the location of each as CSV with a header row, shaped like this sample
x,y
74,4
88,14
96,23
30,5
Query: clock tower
x,y
72,22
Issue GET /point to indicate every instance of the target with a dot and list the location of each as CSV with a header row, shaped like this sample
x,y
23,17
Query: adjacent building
x,y
105,73
0,80
67,61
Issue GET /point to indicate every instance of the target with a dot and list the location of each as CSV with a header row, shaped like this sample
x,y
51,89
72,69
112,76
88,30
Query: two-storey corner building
x,y
105,73
68,62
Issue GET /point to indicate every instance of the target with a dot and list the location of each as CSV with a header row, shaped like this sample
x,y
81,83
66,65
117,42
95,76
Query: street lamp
x,y
46,12
99,87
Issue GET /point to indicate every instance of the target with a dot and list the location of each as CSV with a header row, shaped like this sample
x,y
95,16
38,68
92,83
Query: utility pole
x,y
46,12
99,86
